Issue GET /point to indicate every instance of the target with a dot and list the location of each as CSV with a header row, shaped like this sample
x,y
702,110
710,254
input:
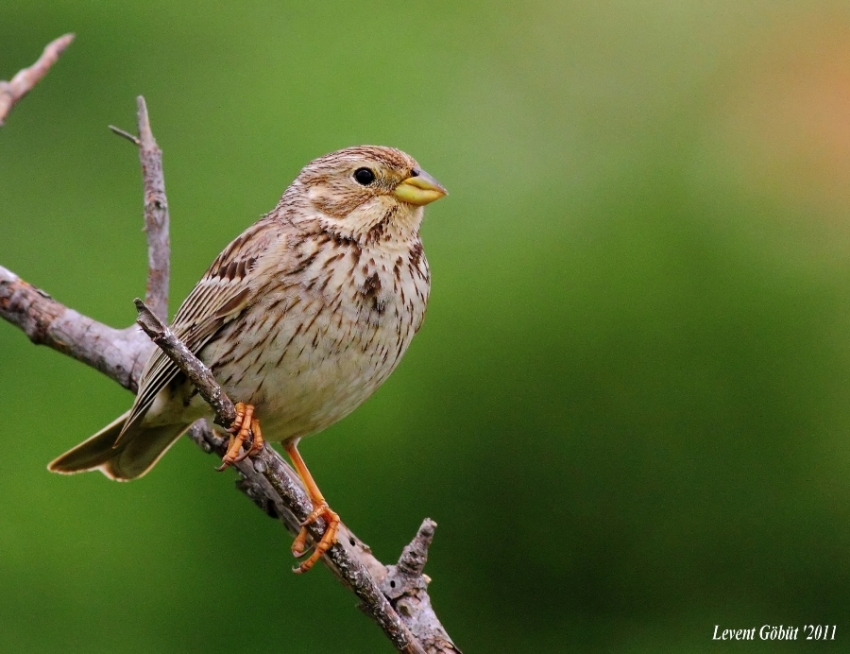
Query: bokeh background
x,y
629,407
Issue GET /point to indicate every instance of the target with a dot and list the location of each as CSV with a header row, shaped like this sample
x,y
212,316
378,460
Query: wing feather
x,y
224,291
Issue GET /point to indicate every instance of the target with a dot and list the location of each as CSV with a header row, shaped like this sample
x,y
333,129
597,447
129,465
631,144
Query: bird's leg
x,y
244,426
320,510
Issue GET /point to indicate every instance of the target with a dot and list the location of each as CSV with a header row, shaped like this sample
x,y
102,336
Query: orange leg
x,y
245,426
320,509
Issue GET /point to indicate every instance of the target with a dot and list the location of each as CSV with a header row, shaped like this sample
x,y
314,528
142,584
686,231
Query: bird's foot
x,y
320,510
299,546
245,427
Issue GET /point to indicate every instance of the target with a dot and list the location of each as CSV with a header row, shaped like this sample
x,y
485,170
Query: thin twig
x,y
124,134
156,216
188,363
27,78
156,212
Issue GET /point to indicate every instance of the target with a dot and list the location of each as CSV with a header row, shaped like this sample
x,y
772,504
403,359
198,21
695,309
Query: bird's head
x,y
367,193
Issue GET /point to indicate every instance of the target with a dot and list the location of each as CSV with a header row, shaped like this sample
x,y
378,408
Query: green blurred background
x,y
629,407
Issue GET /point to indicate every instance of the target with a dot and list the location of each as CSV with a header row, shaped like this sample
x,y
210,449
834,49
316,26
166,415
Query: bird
x,y
300,319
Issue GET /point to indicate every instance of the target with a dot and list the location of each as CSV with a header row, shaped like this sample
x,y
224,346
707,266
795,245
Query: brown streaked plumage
x,y
300,319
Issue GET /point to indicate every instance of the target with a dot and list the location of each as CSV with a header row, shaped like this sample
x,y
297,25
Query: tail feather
x,y
137,452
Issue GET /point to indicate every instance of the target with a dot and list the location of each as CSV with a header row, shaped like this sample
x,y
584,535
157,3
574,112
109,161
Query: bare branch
x,y
407,589
156,212
395,597
415,555
26,79
191,366
156,216
119,354
267,479
276,476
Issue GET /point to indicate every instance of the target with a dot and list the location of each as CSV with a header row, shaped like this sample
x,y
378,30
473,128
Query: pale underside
x,y
329,324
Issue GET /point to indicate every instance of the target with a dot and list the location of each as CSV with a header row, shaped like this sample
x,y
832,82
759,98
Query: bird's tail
x,y
140,448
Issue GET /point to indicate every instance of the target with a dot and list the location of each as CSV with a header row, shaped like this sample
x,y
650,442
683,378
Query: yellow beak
x,y
419,189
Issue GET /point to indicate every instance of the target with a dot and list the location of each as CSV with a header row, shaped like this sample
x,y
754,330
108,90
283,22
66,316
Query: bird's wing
x,y
224,291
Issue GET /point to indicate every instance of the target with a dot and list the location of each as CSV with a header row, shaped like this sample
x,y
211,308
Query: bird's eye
x,y
364,176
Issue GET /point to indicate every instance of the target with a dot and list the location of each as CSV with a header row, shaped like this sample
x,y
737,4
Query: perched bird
x,y
300,319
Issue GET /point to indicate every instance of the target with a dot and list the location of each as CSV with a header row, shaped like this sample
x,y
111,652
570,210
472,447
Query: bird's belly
x,y
316,394
316,368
